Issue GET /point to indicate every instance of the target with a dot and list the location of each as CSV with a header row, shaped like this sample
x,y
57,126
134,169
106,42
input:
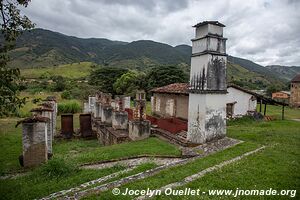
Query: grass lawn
x,y
275,111
68,155
277,167
73,71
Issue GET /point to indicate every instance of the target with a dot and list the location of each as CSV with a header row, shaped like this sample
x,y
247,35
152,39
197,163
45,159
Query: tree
x,y
164,75
60,83
129,83
105,78
12,25
273,88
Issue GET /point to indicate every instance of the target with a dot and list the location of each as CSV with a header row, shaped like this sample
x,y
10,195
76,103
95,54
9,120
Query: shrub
x,y
66,95
56,168
69,107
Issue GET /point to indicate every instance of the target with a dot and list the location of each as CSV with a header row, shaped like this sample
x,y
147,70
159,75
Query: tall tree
x,y
12,25
163,75
105,78
129,83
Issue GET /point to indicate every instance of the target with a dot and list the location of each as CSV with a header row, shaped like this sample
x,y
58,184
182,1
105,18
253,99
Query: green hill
x,y
50,52
288,72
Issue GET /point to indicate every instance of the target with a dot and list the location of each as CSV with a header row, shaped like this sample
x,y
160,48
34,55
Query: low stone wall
x,y
139,130
109,136
120,120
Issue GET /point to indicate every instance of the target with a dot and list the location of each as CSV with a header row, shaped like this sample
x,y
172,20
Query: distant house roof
x,y
183,88
209,22
285,92
296,79
175,88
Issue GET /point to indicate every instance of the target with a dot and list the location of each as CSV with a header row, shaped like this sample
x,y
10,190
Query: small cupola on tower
x,y
208,67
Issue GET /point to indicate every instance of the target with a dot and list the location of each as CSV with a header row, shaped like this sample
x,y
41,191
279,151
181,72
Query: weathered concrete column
x,y
92,101
106,108
34,140
98,109
126,102
53,102
106,115
139,127
119,116
48,113
86,108
207,108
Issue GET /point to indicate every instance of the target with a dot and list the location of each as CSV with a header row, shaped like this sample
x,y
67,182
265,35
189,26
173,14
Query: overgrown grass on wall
x,y
69,107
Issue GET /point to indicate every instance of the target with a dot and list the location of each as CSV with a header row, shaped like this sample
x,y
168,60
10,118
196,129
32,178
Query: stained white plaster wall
x,y
215,30
243,101
206,109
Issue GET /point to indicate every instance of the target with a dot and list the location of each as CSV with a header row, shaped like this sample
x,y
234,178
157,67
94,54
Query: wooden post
x,y
282,116
265,110
260,102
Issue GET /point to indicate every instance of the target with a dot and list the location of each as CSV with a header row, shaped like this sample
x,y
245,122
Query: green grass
x,y
25,110
73,71
76,151
55,175
275,111
37,185
277,166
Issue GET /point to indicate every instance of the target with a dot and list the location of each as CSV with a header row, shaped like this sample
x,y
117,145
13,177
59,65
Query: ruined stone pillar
x,y
98,109
48,113
92,101
119,116
86,108
139,128
106,108
53,102
34,140
207,108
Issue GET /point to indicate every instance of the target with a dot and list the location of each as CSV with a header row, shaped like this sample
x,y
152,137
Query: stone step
x,y
179,138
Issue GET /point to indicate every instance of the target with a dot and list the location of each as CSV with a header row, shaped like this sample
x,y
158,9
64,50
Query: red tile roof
x,y
176,88
296,79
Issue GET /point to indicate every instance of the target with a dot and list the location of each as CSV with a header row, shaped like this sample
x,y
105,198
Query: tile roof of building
x,y
296,79
183,88
176,88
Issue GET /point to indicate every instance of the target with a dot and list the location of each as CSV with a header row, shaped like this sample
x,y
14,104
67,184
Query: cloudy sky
x,y
265,31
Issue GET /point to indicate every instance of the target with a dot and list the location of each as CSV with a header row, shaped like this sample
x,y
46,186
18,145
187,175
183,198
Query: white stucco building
x,y
239,101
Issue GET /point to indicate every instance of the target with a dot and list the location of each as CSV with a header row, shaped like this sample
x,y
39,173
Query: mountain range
x,y
43,48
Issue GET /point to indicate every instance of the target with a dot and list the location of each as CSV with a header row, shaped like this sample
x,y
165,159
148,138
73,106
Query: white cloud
x,y
264,31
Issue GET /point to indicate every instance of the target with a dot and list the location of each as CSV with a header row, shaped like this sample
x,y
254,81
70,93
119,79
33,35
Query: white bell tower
x,y
207,90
